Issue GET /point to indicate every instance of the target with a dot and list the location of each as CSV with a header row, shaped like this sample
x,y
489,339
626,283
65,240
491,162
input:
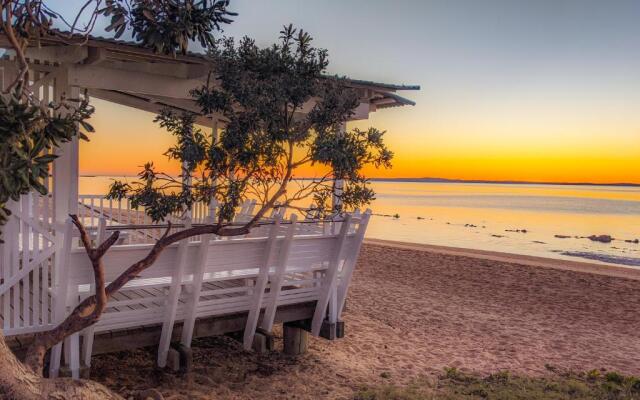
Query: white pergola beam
x,y
98,77
176,70
140,103
60,54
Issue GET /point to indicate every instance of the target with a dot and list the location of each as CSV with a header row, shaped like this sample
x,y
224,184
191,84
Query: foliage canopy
x,y
280,113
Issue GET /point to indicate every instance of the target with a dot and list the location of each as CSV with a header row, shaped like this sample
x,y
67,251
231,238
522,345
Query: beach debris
x,y
600,238
562,236
636,241
516,230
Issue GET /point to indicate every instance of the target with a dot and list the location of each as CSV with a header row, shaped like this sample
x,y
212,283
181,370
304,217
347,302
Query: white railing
x,y
137,227
120,213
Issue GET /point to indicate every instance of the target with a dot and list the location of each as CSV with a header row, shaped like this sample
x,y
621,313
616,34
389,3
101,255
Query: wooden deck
x,y
129,339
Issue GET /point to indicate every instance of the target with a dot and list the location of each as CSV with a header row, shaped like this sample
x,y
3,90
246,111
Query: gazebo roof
x,y
127,73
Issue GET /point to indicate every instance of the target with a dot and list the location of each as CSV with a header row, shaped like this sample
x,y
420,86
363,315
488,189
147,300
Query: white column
x,y
339,183
215,136
65,167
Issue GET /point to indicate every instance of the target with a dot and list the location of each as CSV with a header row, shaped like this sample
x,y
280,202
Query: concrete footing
x,y
332,331
263,342
180,358
296,339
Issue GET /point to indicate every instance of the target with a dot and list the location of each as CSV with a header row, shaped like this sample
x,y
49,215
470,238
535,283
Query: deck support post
x,y
296,339
263,342
248,339
332,330
330,282
276,281
179,358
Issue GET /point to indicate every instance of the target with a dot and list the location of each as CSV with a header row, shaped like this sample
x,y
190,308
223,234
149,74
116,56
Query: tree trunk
x,y
20,383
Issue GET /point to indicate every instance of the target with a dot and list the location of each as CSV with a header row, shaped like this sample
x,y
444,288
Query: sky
x,y
544,90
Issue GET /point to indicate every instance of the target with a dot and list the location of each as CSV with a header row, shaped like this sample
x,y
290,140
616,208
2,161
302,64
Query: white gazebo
x,y
292,272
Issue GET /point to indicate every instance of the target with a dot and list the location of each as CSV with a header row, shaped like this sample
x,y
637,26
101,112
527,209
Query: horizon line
x,y
445,180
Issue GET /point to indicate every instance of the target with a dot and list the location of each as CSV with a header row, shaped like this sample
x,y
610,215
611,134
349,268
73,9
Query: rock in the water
x,y
601,238
562,236
636,241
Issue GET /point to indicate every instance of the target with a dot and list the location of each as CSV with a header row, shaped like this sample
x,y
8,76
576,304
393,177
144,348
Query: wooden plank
x,y
190,319
276,282
172,302
205,327
61,291
329,285
260,286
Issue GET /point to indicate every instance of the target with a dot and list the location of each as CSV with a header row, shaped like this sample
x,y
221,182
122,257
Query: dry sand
x,y
413,311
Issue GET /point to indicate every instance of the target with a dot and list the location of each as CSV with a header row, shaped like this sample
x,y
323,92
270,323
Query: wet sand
x,y
411,312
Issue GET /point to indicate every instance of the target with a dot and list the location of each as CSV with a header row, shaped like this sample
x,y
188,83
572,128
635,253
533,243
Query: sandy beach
x,y
414,310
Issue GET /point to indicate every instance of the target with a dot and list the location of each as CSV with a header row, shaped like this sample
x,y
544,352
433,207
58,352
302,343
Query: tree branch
x,y
86,313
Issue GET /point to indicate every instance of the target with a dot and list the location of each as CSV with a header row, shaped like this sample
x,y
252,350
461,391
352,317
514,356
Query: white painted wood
x,y
338,188
275,284
89,333
172,301
330,279
260,286
350,263
72,344
190,320
60,291
97,77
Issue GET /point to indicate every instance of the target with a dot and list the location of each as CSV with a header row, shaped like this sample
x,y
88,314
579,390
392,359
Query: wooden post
x,y
87,338
296,339
350,261
65,167
276,281
330,281
258,291
336,201
198,276
172,301
214,139
61,288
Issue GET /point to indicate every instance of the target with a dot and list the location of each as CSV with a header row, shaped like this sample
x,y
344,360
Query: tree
x,y
261,93
264,96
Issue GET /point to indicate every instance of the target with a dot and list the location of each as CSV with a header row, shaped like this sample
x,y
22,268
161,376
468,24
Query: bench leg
x,y
87,346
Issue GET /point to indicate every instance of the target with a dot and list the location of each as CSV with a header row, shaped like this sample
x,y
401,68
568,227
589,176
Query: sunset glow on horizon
x,y
528,91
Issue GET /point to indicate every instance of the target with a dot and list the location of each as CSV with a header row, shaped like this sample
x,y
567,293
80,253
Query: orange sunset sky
x,y
511,90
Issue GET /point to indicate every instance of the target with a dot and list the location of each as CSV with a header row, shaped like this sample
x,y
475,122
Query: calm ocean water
x,y
521,219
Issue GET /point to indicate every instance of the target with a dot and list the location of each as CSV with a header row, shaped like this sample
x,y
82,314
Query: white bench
x,y
190,280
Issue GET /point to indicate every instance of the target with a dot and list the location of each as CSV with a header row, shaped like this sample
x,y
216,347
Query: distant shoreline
x,y
445,180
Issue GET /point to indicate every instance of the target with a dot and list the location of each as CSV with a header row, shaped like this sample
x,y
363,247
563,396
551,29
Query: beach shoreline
x,y
619,271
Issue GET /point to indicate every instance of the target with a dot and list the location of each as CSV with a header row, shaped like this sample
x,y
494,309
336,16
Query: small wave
x,y
611,259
